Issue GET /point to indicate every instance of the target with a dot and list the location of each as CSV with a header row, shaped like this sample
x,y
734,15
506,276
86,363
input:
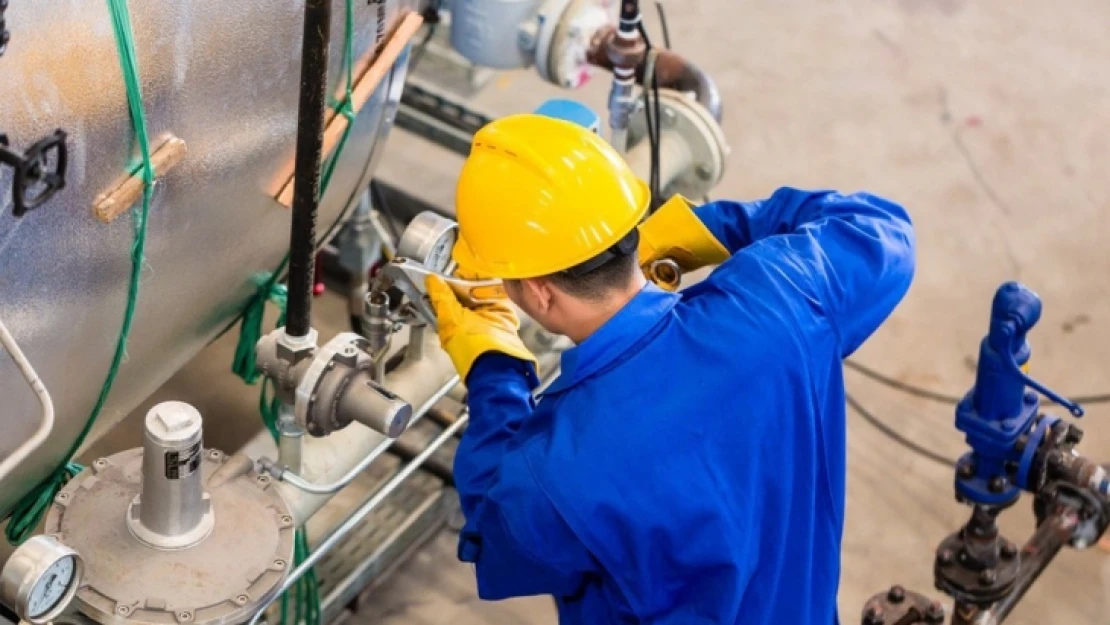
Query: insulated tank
x,y
223,77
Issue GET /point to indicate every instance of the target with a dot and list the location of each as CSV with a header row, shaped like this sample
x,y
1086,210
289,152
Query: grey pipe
x,y
295,480
361,513
675,159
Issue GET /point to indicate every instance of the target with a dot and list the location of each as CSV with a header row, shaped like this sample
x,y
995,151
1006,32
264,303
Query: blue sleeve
x,y
518,542
854,254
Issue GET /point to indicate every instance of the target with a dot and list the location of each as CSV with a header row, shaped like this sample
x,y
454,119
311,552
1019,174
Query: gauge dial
x,y
428,240
439,254
51,588
40,579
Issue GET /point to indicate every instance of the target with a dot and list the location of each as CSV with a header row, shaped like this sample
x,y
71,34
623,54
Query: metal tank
x,y
221,76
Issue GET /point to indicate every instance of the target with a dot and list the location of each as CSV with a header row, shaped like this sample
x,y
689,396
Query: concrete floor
x,y
988,121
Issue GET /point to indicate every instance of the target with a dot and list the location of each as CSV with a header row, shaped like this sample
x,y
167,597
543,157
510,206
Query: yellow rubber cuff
x,y
675,232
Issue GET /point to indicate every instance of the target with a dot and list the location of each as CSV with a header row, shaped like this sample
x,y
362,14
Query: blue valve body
x,y
999,410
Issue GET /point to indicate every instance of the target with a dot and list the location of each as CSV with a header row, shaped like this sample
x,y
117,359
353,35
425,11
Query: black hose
x,y
897,436
663,24
306,184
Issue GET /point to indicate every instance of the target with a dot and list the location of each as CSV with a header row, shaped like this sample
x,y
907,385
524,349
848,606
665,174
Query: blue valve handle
x,y
999,392
1075,409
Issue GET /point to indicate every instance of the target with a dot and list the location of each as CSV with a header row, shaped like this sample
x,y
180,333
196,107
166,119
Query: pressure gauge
x,y
429,239
40,579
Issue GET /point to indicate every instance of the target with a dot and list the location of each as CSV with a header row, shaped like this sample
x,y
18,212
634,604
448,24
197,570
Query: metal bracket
x,y
439,119
34,181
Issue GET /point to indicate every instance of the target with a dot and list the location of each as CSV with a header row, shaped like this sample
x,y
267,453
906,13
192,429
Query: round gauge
x,y
40,579
428,240
51,588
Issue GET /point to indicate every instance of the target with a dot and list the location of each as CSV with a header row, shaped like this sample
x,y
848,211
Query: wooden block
x,y
129,190
370,70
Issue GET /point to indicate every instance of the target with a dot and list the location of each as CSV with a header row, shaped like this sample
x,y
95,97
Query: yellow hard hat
x,y
540,195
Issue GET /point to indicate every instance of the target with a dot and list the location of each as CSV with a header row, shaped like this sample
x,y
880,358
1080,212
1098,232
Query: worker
x,y
688,464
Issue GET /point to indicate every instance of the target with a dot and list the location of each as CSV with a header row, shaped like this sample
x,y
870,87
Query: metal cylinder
x,y
375,407
376,325
172,511
290,439
486,32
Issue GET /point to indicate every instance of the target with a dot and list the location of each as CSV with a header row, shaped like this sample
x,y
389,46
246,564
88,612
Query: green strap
x,y
30,510
244,364
301,603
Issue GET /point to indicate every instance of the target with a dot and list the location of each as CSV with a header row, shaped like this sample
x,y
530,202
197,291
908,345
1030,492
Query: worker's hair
x,y
615,274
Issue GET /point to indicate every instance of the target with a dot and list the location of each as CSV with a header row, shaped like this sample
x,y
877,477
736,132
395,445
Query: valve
x,y
34,181
330,385
999,416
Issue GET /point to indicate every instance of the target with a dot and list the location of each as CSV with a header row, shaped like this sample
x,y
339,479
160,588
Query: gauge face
x,y
439,253
51,588
428,240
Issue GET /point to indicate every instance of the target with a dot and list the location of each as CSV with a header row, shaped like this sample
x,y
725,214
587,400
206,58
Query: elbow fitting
x,y
609,51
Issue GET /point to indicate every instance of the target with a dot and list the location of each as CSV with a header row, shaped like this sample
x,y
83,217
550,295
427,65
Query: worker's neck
x,y
595,314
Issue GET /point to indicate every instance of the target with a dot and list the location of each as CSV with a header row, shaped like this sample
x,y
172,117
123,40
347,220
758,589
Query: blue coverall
x,y
688,465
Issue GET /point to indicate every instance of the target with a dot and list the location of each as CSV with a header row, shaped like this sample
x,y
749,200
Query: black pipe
x,y
629,16
672,70
306,184
690,77
1052,535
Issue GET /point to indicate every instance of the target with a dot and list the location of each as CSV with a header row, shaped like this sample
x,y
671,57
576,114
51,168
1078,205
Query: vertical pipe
x,y
625,52
306,184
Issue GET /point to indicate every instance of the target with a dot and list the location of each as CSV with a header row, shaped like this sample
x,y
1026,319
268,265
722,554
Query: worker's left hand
x,y
467,333
674,232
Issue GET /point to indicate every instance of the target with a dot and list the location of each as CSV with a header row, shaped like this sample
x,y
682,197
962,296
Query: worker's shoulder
x,y
758,292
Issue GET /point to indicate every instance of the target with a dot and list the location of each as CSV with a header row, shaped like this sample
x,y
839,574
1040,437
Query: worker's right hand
x,y
675,232
467,333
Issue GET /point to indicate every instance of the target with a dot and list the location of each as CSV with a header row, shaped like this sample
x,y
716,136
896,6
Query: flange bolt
x,y
987,577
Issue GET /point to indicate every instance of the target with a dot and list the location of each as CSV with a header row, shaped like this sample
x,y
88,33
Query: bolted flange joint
x,y
333,385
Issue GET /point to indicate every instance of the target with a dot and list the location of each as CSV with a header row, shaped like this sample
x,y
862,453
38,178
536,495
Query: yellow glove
x,y
675,232
467,334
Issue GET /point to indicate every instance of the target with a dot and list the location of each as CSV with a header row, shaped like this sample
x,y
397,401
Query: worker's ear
x,y
539,294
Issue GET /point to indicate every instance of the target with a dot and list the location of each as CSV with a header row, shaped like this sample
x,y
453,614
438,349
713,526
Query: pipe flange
x,y
346,349
220,580
682,115
564,33
898,605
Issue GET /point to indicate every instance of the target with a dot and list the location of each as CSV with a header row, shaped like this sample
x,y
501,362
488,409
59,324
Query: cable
x,y
305,594
653,118
901,386
898,437
31,508
663,24
931,395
